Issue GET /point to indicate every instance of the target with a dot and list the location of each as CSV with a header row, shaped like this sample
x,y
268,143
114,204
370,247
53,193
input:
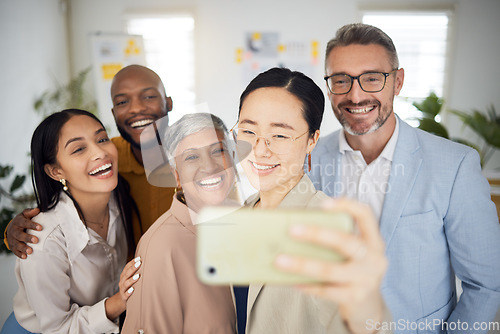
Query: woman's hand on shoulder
x,y
128,278
117,304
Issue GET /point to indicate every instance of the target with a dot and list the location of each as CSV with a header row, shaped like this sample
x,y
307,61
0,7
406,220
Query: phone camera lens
x,y
211,270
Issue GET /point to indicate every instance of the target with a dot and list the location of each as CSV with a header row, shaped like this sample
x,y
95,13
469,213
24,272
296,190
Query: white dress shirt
x,y
63,285
367,183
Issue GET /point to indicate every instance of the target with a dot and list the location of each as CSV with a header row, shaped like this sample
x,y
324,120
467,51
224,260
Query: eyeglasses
x,y
371,82
278,143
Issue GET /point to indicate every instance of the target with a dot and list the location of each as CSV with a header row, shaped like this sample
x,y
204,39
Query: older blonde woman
x,y
169,298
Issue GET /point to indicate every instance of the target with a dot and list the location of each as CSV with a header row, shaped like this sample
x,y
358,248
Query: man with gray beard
x,y
433,205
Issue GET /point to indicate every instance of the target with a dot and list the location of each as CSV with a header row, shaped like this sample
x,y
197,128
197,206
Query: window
x,y
169,48
421,39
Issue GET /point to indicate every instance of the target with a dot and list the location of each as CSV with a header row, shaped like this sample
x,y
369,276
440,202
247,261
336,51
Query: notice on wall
x,y
110,53
264,50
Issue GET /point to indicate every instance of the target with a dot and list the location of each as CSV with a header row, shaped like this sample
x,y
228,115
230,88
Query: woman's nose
x,y
211,164
98,152
261,147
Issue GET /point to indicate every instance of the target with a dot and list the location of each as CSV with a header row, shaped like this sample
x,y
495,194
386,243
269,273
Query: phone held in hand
x,y
239,246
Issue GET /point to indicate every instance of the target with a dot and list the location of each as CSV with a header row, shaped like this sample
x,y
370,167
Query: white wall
x,y
475,65
34,50
222,24
220,27
33,55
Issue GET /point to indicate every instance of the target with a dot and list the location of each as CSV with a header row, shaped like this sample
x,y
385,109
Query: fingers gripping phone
x,y
240,246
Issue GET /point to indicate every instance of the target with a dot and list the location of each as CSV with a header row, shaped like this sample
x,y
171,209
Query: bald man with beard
x,y
139,99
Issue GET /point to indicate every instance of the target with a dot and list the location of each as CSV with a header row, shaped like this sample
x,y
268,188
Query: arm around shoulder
x,y
15,237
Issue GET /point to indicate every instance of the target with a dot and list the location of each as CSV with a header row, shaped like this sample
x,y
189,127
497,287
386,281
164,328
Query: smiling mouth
x,y
364,110
141,124
263,167
211,183
101,170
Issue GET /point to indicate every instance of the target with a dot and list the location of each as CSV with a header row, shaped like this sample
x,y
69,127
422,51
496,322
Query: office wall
x,y
34,52
221,26
475,65
33,57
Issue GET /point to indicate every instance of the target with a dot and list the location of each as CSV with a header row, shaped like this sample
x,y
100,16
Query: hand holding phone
x,y
353,284
240,246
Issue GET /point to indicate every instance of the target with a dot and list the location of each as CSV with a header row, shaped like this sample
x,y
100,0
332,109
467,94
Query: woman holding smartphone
x,y
73,282
280,114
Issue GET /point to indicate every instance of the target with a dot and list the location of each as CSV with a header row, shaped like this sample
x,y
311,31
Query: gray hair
x,y
187,125
364,34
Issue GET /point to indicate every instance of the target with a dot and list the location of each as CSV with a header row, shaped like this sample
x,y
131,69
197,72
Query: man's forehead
x,y
358,58
135,82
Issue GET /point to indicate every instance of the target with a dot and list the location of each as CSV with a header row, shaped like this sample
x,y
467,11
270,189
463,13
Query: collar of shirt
x,y
77,235
387,152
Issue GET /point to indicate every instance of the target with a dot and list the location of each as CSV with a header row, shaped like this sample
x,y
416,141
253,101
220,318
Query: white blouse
x,y
63,285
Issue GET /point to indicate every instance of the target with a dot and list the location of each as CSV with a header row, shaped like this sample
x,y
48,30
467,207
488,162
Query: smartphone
x,y
239,246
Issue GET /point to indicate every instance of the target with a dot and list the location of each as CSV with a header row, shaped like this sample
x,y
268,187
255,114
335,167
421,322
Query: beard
x,y
383,115
128,137
143,145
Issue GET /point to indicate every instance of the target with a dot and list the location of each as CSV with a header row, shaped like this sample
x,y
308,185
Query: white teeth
x,y
140,123
100,169
211,182
360,110
260,167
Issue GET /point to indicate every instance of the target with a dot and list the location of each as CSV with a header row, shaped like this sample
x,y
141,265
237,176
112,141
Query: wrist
x,y
114,306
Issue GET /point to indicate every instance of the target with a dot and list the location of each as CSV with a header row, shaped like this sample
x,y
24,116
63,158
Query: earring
x,y
309,162
63,182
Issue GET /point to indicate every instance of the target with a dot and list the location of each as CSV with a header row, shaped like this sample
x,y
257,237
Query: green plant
x,y
12,199
485,125
430,108
71,95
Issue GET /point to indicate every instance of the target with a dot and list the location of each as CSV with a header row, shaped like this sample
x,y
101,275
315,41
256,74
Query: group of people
x,y
422,211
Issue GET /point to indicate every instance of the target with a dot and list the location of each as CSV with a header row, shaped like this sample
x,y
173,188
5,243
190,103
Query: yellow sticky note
x,y
109,70
239,55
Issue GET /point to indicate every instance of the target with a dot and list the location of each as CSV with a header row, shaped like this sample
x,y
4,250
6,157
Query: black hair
x,y
298,84
44,144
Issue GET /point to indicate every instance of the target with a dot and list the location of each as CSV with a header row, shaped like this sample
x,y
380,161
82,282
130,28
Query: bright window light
x,y
421,42
169,48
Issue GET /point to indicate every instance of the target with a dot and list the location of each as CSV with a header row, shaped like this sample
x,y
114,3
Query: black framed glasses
x,y
370,82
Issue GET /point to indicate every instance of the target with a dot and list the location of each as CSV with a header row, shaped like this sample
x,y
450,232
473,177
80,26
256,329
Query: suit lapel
x,y
326,160
405,166
253,293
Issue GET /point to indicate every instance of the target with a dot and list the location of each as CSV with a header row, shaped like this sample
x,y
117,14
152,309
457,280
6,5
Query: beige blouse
x,y
284,309
169,298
